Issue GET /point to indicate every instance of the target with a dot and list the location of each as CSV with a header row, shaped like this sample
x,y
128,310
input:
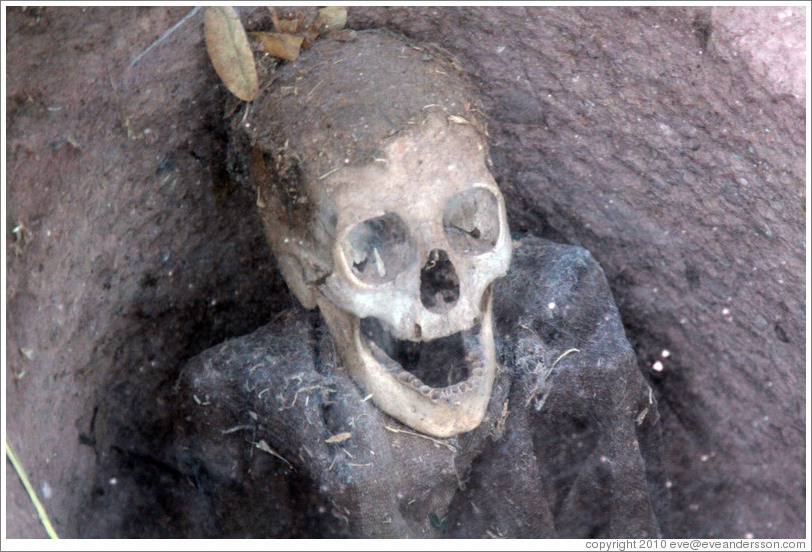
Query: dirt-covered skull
x,y
370,162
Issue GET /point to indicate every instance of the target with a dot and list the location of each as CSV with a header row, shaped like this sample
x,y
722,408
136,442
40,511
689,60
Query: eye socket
x,y
379,249
471,221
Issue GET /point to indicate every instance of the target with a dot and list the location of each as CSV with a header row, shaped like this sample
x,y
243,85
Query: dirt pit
x,y
661,139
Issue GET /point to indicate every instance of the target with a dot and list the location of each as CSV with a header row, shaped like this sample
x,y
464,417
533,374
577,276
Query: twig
x,y
233,429
328,173
164,36
302,390
406,431
43,515
565,353
263,446
536,388
313,89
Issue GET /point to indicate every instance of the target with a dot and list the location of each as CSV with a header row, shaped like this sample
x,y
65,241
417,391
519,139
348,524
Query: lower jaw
x,y
439,412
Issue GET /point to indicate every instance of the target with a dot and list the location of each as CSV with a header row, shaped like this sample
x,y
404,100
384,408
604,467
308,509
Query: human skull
x,y
370,163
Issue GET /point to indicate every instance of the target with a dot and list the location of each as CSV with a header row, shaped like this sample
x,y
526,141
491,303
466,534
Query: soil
x,y
664,140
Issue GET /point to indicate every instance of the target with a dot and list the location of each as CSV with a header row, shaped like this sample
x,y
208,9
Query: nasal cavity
x,y
439,283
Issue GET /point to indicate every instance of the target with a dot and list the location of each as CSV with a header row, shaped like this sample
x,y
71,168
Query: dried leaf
x,y
229,51
311,34
288,26
274,16
458,120
339,437
331,18
282,46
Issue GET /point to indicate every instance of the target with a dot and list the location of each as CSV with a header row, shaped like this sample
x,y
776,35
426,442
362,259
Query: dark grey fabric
x,y
569,447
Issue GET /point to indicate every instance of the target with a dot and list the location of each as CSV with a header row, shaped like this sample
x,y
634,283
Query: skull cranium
x,y
371,168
